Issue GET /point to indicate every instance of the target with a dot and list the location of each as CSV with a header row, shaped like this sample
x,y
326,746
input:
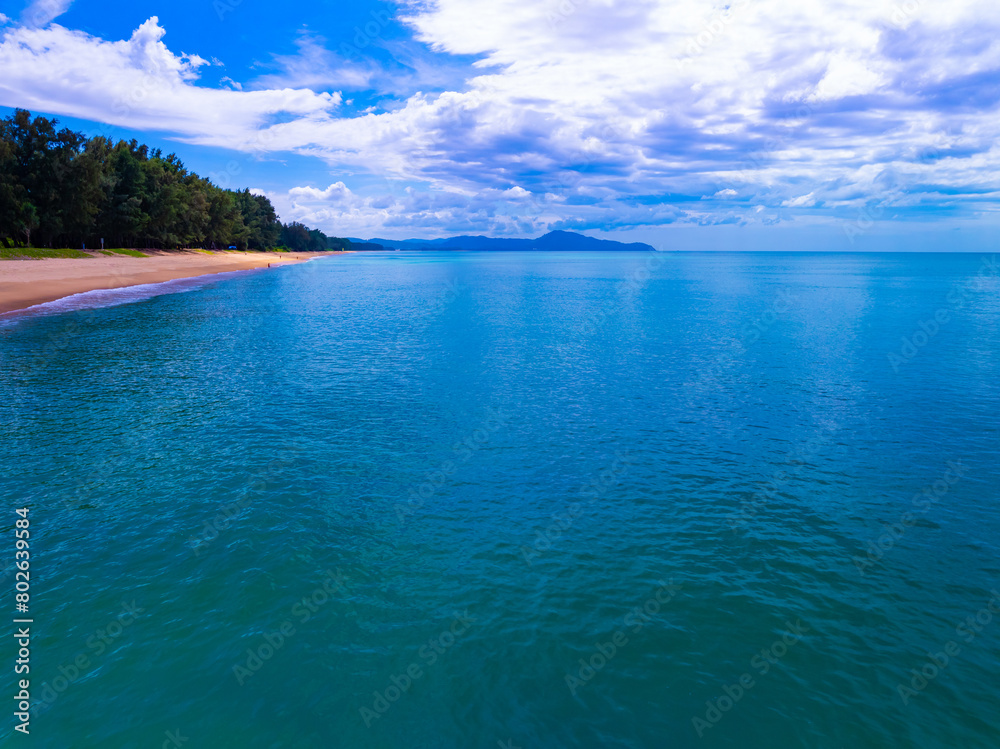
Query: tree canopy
x,y
61,189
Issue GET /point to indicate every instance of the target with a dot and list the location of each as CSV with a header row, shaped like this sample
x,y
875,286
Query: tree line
x,y
59,188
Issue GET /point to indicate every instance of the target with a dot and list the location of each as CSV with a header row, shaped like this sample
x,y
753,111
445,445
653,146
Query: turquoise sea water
x,y
524,500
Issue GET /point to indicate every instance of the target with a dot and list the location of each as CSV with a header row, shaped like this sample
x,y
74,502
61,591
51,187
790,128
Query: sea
x,y
453,500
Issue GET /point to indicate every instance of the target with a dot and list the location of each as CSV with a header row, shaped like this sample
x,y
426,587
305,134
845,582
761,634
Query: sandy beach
x,y
24,283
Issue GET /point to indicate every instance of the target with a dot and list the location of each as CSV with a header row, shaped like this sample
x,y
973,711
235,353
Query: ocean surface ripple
x,y
515,499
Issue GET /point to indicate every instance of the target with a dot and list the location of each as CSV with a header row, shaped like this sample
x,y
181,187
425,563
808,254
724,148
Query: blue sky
x,y
755,124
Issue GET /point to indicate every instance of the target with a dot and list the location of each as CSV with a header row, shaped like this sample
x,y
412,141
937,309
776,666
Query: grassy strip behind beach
x,y
130,253
38,253
44,253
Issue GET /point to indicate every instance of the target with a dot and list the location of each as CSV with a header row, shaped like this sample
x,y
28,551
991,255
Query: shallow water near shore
x,y
98,298
516,499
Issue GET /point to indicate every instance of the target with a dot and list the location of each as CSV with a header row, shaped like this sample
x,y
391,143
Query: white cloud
x,y
43,12
139,83
394,210
316,68
581,112
802,201
335,193
615,99
847,77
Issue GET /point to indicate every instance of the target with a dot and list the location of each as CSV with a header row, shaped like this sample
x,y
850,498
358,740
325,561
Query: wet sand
x,y
24,283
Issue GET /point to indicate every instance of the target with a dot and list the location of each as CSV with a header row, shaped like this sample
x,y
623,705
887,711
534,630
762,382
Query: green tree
x,y
123,220
295,236
84,195
42,167
12,197
56,186
225,219
264,229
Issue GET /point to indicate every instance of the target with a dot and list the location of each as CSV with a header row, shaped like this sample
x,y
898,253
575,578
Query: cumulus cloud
x,y
394,208
139,83
845,77
591,113
610,105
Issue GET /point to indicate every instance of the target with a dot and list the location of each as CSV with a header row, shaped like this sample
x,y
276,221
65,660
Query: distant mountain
x,y
567,240
554,240
361,245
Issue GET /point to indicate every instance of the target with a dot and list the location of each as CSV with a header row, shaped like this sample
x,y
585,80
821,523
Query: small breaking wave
x,y
100,298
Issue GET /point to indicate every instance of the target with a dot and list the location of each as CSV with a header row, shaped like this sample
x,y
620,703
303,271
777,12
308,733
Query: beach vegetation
x,y
121,251
59,188
38,253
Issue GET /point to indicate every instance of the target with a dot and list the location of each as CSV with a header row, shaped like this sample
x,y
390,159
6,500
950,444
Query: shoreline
x,y
27,283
